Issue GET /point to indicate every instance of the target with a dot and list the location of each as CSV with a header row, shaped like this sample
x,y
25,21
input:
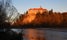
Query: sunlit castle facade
x,y
36,10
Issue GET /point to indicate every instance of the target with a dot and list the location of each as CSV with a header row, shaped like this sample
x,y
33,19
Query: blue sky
x,y
56,5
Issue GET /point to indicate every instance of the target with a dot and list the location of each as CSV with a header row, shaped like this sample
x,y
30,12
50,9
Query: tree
x,y
51,11
2,13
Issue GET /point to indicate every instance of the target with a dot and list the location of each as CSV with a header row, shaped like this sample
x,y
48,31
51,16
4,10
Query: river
x,y
44,34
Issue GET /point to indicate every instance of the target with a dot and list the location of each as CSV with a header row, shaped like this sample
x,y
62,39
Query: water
x,y
45,34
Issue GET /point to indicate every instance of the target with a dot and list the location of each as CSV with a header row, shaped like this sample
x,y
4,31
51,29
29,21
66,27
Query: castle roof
x,y
37,8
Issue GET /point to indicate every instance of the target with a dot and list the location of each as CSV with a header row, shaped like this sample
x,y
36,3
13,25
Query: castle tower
x,y
40,6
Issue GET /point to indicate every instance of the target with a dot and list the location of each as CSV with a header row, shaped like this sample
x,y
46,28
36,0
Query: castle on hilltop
x,y
36,10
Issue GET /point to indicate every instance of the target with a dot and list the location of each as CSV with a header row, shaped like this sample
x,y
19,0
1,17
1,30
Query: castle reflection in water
x,y
44,34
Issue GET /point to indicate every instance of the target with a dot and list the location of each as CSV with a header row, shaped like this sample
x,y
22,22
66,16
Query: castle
x,y
36,10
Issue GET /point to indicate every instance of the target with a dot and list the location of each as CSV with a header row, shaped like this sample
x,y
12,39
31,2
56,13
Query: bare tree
x,y
2,12
8,13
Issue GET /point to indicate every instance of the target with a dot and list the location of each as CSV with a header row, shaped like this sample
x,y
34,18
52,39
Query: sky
x,y
57,5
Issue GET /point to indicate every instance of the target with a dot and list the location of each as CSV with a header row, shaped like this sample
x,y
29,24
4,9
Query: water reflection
x,y
45,34
34,34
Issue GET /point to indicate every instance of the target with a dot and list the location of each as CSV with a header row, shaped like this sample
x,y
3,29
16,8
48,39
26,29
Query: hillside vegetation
x,y
48,19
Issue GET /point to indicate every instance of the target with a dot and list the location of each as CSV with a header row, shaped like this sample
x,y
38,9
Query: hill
x,y
42,19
